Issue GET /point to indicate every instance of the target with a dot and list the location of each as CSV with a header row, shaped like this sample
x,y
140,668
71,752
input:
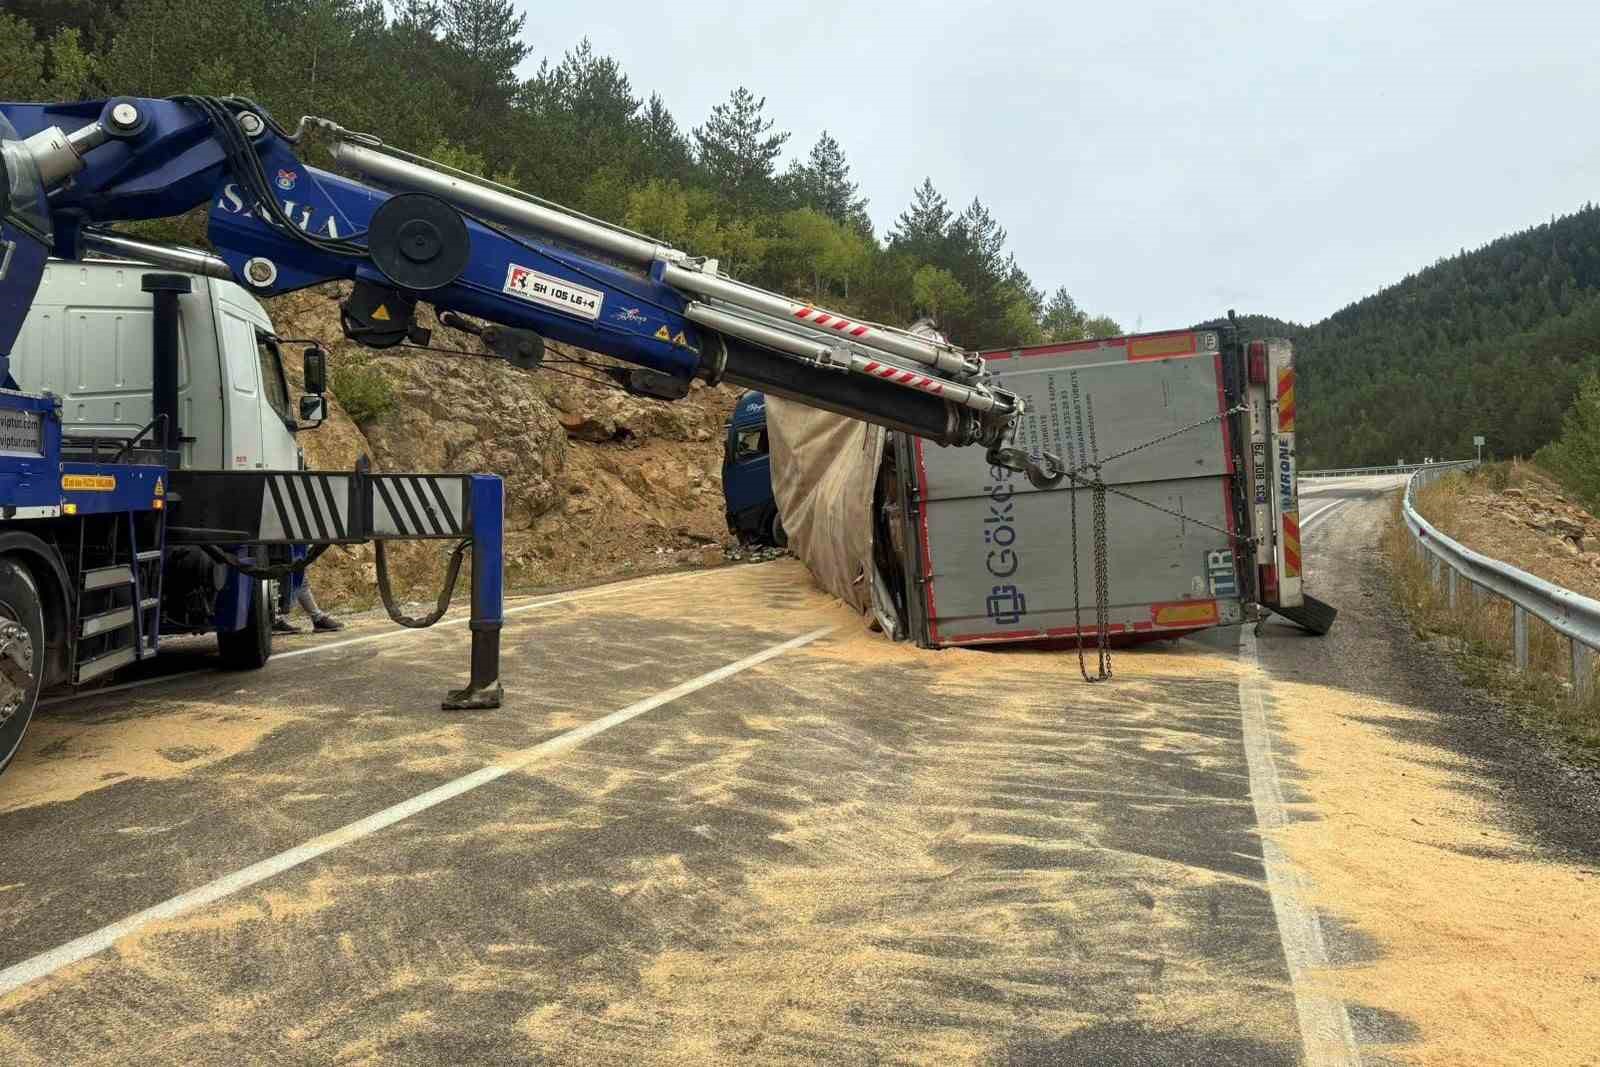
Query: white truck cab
x,y
88,340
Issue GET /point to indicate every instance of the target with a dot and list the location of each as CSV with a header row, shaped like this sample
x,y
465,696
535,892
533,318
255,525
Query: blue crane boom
x,y
416,231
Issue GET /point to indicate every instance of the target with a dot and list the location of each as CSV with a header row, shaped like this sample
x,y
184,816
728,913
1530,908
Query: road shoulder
x,y
1457,883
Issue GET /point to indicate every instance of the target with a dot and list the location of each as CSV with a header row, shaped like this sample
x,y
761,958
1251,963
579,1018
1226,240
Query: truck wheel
x,y
21,654
249,648
776,534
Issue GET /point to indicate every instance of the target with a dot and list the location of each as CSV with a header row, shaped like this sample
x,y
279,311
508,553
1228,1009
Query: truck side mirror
x,y
313,409
316,370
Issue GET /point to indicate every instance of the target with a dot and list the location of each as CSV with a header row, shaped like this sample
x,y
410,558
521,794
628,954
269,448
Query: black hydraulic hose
x,y
453,571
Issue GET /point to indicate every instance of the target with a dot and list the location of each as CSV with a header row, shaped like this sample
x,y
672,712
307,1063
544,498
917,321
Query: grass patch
x,y
1478,631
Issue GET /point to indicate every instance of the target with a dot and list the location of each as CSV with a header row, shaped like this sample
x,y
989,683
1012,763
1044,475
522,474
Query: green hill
x,y
1493,341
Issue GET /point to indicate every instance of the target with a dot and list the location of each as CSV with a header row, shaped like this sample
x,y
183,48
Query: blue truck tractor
x,y
747,475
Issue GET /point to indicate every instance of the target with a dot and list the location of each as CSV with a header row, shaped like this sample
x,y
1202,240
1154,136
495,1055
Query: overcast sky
x,y
1164,161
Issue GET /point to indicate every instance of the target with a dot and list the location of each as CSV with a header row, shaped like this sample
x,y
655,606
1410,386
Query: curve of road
x,y
718,822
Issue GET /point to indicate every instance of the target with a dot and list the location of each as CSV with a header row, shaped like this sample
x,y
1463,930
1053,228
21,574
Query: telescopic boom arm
x,y
418,231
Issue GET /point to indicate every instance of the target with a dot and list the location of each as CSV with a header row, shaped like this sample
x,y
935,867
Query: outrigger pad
x,y
470,699
1313,615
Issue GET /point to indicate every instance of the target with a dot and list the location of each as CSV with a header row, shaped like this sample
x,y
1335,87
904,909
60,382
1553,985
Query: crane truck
x,y
109,540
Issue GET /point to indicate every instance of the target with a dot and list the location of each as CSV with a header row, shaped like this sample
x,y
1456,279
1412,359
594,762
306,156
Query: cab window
x,y
752,443
273,382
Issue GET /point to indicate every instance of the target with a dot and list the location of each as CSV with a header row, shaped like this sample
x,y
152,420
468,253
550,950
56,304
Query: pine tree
x,y
485,40
823,183
666,150
922,226
1063,320
739,151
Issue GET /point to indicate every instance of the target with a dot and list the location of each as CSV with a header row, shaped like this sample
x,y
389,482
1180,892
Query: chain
x,y
1102,583
1238,409
1237,538
1048,471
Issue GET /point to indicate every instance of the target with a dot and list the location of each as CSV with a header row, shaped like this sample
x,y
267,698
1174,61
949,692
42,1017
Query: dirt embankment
x,y
1516,513
598,483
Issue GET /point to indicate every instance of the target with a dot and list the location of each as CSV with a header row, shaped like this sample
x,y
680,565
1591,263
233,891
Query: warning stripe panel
x,y
832,322
1291,544
417,506
304,508
1286,400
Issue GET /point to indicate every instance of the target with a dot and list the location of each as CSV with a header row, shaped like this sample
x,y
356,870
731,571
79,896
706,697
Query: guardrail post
x,y
1582,669
1433,567
1452,582
1519,635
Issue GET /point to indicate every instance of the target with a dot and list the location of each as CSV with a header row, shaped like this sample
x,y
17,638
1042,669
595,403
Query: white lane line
x,y
1307,522
388,635
1326,1035
48,963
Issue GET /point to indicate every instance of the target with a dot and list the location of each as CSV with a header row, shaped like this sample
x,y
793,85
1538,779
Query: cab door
x,y
241,391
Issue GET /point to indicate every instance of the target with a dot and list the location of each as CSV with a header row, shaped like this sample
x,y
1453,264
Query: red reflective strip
x,y
1072,631
872,366
859,331
822,320
841,324
887,372
1004,635
906,376
802,313
1052,350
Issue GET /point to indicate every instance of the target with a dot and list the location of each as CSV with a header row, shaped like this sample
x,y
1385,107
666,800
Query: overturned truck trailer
x,y
1182,514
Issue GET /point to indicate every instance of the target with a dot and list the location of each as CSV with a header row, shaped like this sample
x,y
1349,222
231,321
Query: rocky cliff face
x,y
598,483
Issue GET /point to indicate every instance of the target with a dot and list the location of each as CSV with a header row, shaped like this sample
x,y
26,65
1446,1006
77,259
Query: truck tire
x,y
777,536
249,648
21,654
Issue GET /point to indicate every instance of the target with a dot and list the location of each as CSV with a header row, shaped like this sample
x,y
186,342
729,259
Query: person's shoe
x,y
326,624
281,625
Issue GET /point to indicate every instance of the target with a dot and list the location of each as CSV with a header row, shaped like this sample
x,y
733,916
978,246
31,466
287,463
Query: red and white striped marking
x,y
832,322
904,377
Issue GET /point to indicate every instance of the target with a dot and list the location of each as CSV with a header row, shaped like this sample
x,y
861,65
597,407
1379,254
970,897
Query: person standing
x,y
296,589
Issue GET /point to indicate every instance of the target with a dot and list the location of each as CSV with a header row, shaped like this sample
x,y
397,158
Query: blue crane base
x,y
302,508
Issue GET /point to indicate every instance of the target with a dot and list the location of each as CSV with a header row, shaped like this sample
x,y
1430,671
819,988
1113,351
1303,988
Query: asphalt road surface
x,y
715,821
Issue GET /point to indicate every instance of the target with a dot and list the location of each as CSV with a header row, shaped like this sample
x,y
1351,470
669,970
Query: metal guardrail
x,y
1403,468
1570,614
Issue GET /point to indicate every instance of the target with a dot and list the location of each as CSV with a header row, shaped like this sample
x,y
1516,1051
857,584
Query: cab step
x,y
94,668
105,622
107,577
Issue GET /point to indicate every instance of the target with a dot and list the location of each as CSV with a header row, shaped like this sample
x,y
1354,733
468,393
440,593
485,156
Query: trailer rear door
x,y
996,561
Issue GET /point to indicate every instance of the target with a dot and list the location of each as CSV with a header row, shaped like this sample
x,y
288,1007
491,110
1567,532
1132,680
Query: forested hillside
x,y
1493,342
441,77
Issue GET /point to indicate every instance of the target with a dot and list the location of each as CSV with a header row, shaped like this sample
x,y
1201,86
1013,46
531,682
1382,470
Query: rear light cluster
x,y
1258,363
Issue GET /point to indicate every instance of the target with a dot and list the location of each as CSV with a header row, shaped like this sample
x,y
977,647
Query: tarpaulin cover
x,y
824,470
